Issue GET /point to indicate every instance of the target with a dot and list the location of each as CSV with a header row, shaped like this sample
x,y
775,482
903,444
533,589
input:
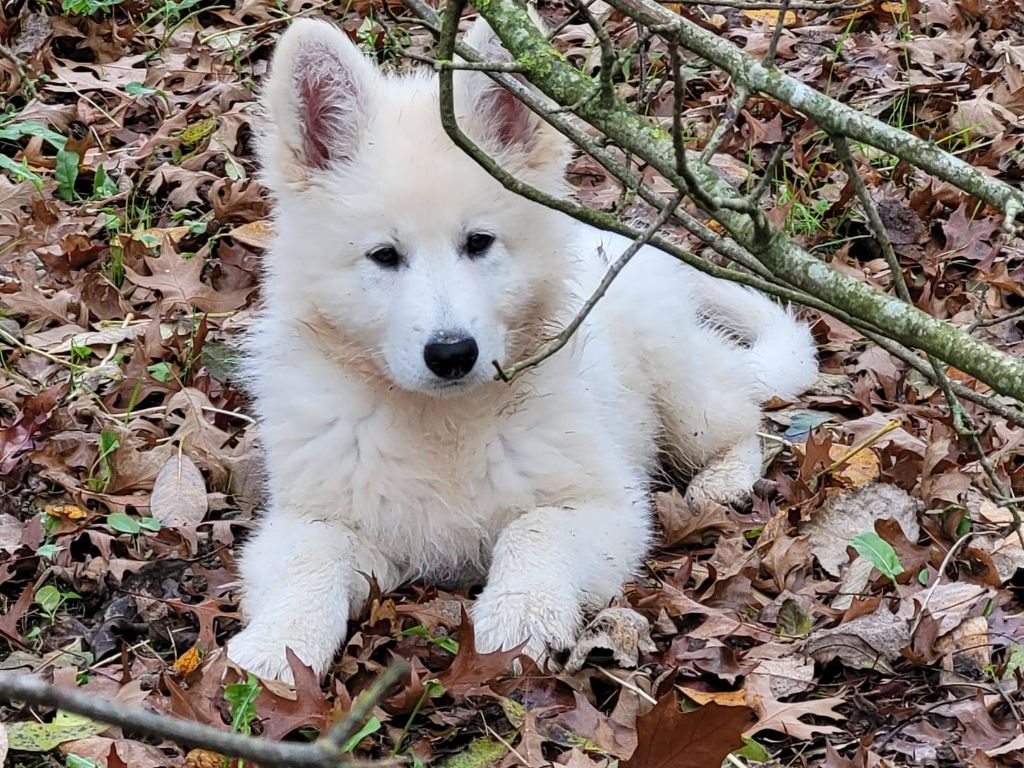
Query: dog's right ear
x,y
317,99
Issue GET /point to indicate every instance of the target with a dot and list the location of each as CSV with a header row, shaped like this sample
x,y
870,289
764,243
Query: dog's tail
x,y
781,348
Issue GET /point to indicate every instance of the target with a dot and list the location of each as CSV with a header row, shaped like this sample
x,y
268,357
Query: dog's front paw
x,y
502,621
718,488
263,653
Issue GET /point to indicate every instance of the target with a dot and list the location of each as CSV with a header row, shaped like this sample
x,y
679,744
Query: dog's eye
x,y
385,256
478,243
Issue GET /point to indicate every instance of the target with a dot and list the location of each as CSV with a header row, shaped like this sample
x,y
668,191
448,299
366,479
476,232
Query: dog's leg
x,y
729,477
302,578
549,565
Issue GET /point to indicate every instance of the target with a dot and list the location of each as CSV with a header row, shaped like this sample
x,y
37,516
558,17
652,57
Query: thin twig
x,y
364,704
761,188
322,753
897,350
472,66
783,285
583,213
938,577
1017,313
831,115
613,271
740,97
773,44
693,187
867,442
629,686
604,40
26,84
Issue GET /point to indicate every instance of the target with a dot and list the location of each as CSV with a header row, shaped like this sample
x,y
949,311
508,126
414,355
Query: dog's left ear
x,y
498,121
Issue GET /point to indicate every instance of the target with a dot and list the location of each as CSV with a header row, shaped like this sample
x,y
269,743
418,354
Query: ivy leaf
x,y
123,523
20,171
48,598
66,174
878,552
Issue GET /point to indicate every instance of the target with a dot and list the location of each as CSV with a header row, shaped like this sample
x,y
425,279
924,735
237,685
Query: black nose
x,y
451,359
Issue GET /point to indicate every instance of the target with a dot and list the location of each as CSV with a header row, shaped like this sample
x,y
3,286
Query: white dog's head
x,y
421,263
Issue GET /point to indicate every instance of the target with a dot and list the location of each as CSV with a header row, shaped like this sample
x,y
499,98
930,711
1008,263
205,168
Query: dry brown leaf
x,y
967,651
860,469
179,493
737,698
668,738
770,17
868,642
105,750
785,676
951,602
470,672
204,758
147,236
784,717
683,521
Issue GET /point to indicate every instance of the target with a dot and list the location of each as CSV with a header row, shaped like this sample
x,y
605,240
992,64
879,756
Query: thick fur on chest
x,y
437,483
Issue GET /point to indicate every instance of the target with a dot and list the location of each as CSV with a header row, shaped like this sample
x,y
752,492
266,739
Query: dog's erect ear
x,y
496,119
317,98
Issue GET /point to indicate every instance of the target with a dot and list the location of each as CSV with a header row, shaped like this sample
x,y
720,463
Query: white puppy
x,y
400,270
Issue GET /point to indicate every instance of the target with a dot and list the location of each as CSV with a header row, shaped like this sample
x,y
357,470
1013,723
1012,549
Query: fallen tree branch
x,y
786,261
325,752
833,116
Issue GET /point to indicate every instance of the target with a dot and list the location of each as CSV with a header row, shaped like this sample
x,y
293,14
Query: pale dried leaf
x,y
622,631
951,602
867,642
785,676
179,493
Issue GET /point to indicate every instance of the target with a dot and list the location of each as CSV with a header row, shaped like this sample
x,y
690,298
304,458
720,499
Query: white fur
x,y
375,466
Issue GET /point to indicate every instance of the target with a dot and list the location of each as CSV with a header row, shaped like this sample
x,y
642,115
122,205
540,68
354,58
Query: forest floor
x,y
866,611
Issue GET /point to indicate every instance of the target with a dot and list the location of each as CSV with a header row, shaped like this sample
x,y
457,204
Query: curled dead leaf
x,y
683,521
257,234
737,698
859,469
620,630
770,16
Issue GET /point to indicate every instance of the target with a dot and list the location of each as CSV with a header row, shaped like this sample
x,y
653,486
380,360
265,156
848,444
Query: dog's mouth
x,y
441,388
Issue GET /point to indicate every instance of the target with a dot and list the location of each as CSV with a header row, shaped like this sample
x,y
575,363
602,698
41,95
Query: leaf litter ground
x,y
865,611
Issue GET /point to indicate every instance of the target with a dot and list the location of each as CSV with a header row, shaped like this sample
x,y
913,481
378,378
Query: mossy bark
x,y
547,70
